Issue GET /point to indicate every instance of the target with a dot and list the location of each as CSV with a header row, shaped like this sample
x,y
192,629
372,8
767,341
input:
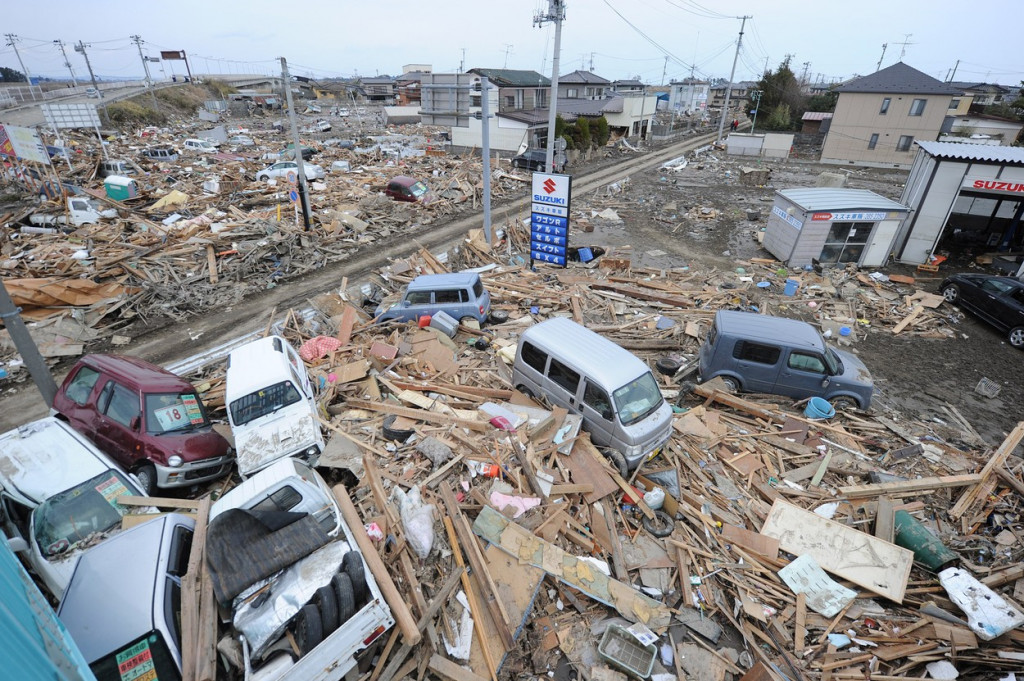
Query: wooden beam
x,y
449,670
474,604
159,502
395,600
420,414
908,486
885,519
968,498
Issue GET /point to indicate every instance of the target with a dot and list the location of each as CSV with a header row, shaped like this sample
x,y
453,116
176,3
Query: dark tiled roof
x,y
529,116
899,79
512,78
583,77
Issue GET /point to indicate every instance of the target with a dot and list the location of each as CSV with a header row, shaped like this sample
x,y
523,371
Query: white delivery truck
x,y
81,210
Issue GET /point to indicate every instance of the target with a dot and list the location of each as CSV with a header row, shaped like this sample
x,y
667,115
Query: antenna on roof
x,y
879,67
906,41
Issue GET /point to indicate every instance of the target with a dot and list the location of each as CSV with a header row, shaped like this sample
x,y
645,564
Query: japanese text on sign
x,y
549,218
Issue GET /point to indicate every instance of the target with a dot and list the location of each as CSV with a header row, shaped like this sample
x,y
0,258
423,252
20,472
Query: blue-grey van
x,y
615,393
763,354
460,295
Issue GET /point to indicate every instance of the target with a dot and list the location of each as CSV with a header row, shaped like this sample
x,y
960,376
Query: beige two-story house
x,y
878,117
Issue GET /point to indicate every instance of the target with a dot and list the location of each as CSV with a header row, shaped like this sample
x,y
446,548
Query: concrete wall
x,y
506,135
768,145
857,117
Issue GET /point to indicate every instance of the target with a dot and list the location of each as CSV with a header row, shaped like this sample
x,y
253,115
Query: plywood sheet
x,y
868,562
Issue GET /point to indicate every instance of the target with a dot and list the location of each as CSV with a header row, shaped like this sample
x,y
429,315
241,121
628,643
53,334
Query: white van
x,y
271,405
201,146
616,393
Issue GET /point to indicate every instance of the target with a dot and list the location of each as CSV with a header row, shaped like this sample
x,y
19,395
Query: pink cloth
x,y
318,347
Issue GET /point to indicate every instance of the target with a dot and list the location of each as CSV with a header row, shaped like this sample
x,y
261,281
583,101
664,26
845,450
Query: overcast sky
x,y
829,39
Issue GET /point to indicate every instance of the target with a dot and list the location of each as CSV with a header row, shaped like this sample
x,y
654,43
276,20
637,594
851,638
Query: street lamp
x,y
755,95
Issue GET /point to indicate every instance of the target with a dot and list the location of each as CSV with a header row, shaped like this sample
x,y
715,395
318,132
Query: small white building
x,y
832,226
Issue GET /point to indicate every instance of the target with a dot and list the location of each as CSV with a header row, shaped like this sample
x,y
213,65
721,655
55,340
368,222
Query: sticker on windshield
x,y
136,663
111,489
183,413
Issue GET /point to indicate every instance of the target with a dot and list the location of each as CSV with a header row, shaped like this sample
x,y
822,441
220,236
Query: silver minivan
x,y
459,294
764,354
615,393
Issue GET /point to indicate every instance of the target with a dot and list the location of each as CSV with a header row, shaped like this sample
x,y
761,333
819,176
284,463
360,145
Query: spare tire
x,y
328,604
346,600
668,365
307,628
352,565
498,316
661,525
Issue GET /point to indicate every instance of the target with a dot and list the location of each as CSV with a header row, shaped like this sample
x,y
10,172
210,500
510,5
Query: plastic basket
x,y
621,648
987,387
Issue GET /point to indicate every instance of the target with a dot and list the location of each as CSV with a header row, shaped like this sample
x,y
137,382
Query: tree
x,y
584,125
782,102
601,132
823,102
9,75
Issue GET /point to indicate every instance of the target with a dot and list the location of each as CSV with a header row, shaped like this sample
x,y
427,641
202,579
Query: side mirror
x,y
825,382
17,544
406,303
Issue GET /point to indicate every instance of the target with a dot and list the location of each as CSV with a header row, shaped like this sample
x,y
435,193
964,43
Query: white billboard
x,y
71,115
23,144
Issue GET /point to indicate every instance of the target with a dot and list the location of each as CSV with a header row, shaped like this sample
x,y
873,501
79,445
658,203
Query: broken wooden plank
x,y
908,486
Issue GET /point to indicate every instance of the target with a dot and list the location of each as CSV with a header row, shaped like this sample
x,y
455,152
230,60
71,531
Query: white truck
x,y
323,598
326,597
81,210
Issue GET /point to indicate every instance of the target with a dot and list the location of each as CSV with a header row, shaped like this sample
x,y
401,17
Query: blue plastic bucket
x,y
818,408
791,287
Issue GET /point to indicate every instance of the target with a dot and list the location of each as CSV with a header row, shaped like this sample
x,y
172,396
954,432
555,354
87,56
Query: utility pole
x,y
556,13
732,74
884,47
485,115
592,61
462,62
756,96
664,70
297,152
149,81
12,41
80,47
803,78
508,48
953,75
26,347
60,44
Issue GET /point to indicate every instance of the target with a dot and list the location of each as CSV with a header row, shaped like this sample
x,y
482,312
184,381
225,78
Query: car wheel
x,y
619,461
843,403
327,602
661,525
731,384
262,178
147,478
395,434
352,564
498,316
668,366
1016,337
526,391
307,628
342,585
951,293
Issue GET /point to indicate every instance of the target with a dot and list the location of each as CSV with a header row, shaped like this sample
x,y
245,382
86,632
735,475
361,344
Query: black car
x,y
996,300
531,159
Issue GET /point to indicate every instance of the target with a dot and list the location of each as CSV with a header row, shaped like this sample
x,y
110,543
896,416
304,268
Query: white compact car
x,y
313,172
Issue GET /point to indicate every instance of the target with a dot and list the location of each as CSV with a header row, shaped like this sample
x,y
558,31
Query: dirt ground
x,y
915,378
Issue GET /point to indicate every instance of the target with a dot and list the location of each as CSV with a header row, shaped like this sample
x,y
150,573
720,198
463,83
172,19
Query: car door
x,y
993,302
563,385
802,375
118,424
757,365
450,301
77,398
596,408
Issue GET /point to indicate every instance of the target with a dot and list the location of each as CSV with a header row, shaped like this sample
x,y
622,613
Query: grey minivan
x,y
764,354
460,295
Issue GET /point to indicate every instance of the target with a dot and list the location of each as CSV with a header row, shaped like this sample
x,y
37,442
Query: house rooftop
x,y
899,79
831,199
583,77
513,78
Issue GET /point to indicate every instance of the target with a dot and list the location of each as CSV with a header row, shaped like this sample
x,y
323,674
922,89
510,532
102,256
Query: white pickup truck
x,y
325,597
81,210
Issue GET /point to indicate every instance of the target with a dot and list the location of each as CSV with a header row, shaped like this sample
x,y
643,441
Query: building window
x,y
885,106
572,93
917,107
873,142
955,104
905,142
510,101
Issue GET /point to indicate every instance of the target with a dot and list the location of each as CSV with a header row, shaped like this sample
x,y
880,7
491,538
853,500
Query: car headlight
x,y
312,451
175,461
634,451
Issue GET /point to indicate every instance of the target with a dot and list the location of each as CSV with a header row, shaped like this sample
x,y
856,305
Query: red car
x,y
404,188
146,418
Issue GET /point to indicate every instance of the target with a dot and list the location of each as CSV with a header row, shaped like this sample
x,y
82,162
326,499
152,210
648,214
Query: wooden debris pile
x,y
780,547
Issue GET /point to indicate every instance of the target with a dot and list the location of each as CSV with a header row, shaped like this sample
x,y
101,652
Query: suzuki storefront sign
x,y
549,218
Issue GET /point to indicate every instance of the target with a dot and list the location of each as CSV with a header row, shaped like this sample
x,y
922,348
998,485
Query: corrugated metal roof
x,y
899,79
831,198
816,115
974,152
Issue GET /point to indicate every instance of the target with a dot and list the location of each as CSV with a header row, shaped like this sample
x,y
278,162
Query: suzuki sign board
x,y
549,218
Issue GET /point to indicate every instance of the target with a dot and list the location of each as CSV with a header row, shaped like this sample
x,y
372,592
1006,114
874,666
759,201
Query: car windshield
x,y
638,398
418,189
66,519
169,412
262,402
